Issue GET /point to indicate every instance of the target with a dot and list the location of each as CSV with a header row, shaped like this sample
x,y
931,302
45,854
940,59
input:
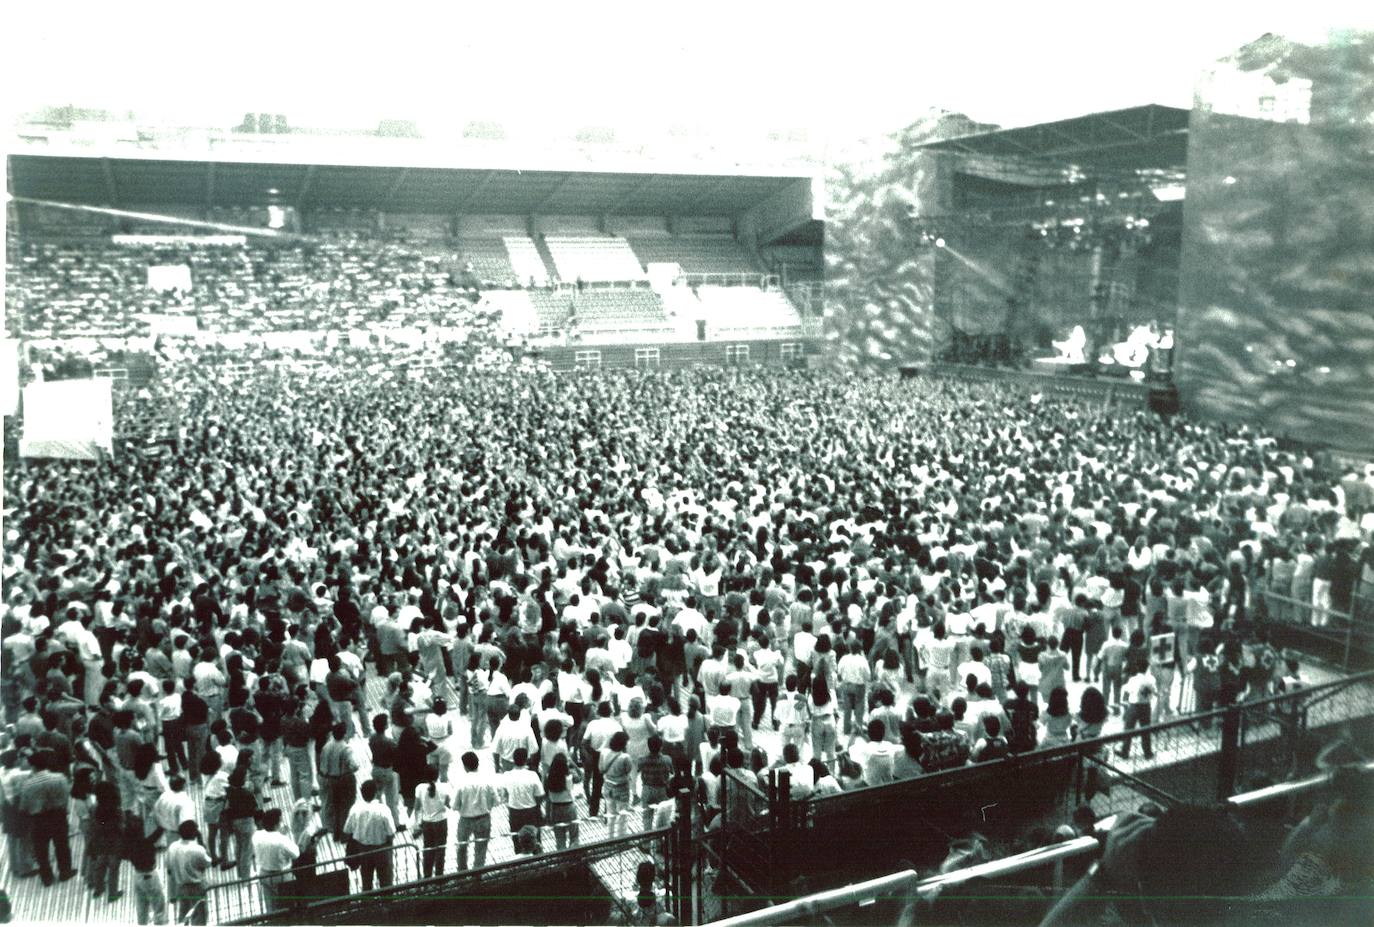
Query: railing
x,y
909,883
761,281
242,899
1105,389
1326,632
562,286
461,896
1195,757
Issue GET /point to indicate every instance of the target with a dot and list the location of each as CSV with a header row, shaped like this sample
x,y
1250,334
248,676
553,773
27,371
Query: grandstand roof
x,y
125,182
1151,137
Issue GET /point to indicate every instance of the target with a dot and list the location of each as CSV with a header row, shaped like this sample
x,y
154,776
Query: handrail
x,y
333,863
1060,751
873,889
762,281
606,847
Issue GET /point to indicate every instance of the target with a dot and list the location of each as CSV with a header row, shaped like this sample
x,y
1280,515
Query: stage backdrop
x,y
880,280
1276,316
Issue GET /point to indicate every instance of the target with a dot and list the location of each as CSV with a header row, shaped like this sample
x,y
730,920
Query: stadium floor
x,y
72,902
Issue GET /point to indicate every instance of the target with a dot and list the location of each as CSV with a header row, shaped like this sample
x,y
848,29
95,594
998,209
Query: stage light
x,y
272,191
1228,180
1101,197
1142,223
1291,362
939,242
1324,369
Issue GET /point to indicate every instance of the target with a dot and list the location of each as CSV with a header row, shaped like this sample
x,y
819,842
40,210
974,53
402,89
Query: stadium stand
x,y
525,259
490,260
695,254
594,258
65,289
618,309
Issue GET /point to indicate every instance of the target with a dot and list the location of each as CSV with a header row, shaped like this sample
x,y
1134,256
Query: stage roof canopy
x,y
1151,137
145,182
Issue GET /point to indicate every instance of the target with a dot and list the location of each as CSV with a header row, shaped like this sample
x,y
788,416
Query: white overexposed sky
x,y
838,69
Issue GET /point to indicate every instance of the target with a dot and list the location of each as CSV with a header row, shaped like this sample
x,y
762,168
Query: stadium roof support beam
x,y
633,193
390,196
111,188
307,182
209,185
477,190
548,197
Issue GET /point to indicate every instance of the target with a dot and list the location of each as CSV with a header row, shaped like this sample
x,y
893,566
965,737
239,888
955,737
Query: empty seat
x,y
593,258
696,254
526,260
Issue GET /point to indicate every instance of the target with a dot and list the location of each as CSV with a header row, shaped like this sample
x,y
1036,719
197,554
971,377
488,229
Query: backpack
x,y
941,750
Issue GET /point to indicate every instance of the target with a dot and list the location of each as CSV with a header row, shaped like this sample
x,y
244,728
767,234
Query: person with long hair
x,y
432,801
823,719
562,809
1057,718
639,727
616,770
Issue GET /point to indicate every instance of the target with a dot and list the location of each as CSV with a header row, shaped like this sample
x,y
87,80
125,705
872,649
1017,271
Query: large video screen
x,y
1276,323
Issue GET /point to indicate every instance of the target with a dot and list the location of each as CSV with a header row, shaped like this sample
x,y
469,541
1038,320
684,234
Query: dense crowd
x,y
417,601
58,289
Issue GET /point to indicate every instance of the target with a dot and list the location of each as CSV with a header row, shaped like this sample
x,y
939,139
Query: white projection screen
x,y
68,418
9,376
166,277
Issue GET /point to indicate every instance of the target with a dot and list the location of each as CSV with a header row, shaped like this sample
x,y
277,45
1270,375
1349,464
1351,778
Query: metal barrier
x,y
1336,637
1202,756
909,883
762,281
242,899
612,863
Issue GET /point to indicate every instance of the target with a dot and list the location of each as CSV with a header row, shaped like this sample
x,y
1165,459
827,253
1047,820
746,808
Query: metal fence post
x,y
1228,766
684,855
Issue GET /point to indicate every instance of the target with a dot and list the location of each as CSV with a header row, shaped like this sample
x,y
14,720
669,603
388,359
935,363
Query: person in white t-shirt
x,y
1138,695
875,755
